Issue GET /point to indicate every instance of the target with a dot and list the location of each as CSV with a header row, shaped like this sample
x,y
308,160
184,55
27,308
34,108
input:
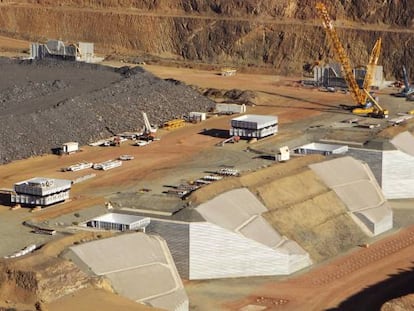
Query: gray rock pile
x,y
44,104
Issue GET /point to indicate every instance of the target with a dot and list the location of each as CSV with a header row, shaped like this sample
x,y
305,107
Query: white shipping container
x,y
198,115
70,147
230,108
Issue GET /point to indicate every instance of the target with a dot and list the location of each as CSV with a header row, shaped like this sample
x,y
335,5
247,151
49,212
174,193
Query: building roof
x,y
324,147
42,186
256,118
123,219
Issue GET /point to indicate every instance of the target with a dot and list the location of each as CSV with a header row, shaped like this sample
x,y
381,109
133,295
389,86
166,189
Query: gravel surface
x,y
46,103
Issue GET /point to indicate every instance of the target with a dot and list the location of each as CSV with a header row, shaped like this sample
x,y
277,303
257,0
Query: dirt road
x,y
362,280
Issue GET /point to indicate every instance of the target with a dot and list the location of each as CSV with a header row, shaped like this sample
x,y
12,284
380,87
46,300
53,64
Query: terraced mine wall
x,y
277,35
45,104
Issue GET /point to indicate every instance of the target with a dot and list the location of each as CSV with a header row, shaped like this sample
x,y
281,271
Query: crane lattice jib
x,y
340,53
373,61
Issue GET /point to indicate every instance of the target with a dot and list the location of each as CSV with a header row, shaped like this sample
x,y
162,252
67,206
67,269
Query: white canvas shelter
x,y
320,148
356,186
139,266
121,222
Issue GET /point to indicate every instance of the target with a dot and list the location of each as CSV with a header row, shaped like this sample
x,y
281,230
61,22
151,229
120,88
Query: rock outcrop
x,y
278,35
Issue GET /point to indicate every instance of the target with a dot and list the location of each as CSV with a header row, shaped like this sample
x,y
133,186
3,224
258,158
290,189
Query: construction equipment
x,y
371,108
173,124
366,104
148,132
373,61
407,91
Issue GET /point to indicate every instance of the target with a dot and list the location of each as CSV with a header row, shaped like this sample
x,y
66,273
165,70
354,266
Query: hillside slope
x,y
281,35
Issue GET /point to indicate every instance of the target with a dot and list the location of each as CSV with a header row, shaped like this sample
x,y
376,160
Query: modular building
x,y
254,126
319,148
40,191
119,222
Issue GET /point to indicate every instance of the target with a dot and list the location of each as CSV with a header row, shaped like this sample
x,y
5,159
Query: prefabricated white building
x,y
226,108
254,126
70,147
41,191
119,222
321,148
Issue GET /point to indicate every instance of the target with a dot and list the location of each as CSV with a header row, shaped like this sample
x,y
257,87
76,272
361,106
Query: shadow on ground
x,y
373,297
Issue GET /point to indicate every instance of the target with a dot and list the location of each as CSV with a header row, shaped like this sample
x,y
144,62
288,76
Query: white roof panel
x,y
232,208
405,142
257,118
119,218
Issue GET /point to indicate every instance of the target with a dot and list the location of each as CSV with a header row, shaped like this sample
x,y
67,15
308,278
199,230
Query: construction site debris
x,y
24,251
78,167
83,178
126,157
228,172
107,165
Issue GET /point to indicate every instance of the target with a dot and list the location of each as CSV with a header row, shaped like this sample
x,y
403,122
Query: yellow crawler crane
x,y
370,108
373,61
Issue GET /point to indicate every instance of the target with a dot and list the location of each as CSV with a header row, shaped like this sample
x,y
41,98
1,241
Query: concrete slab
x,y
120,253
260,230
139,266
231,209
405,142
356,186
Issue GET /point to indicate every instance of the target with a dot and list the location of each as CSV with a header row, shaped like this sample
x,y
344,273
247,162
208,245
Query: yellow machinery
x,y
173,124
373,61
365,107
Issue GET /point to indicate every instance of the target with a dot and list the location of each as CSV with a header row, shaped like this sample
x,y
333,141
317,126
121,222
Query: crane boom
x,y
373,61
340,53
364,106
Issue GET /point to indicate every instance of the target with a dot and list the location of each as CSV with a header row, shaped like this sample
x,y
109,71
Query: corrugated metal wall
x,y
372,157
219,253
397,175
178,241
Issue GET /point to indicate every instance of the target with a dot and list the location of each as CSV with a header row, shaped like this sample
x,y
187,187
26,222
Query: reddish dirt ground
x,y
361,280
344,283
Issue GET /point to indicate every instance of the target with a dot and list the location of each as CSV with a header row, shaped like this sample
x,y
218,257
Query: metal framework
x,y
340,54
373,61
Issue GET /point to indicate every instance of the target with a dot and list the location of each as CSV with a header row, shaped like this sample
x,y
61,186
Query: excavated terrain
x,y
44,104
399,304
279,35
